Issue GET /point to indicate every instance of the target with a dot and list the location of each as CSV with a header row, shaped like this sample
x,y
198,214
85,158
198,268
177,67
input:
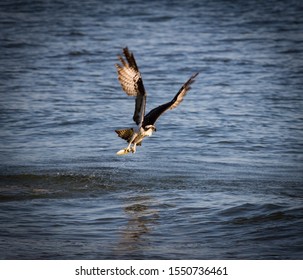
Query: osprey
x,y
130,79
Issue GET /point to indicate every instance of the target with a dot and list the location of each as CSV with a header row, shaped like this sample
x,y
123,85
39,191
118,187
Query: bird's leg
x,y
129,148
133,149
132,140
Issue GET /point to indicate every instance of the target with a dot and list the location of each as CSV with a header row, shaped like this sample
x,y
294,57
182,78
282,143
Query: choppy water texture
x,y
222,176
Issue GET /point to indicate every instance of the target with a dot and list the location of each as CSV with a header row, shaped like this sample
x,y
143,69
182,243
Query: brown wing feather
x,y
130,79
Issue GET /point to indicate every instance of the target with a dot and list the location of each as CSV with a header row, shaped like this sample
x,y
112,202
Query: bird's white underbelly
x,y
142,134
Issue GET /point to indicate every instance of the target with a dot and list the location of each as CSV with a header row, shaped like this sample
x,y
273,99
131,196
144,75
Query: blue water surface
x,y
222,176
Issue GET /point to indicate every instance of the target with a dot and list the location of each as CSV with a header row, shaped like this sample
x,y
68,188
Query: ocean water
x,y
222,178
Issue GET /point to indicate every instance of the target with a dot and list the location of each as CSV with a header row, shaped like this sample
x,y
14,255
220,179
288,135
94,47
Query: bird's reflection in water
x,y
142,218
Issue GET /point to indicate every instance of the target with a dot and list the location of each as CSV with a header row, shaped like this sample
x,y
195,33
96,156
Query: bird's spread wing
x,y
154,114
131,81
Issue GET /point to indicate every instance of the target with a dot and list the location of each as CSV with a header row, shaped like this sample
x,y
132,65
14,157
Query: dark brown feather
x,y
154,114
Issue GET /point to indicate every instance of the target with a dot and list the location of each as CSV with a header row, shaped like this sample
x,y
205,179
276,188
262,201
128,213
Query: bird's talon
x,y
123,152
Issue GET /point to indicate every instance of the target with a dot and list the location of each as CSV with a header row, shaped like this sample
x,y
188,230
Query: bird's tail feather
x,y
126,134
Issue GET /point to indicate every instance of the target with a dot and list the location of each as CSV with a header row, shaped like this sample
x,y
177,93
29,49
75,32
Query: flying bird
x,y
131,81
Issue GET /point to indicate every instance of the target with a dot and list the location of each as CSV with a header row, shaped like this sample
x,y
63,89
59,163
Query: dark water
x,y
222,178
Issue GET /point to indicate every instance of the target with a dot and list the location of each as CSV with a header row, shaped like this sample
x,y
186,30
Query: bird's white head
x,y
149,129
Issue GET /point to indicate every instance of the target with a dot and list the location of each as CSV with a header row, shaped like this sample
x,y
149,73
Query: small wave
x,y
76,33
249,213
76,122
261,218
291,51
31,186
18,45
159,18
78,53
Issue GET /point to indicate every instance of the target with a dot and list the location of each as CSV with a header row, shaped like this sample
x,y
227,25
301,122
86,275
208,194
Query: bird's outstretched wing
x,y
154,114
130,79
